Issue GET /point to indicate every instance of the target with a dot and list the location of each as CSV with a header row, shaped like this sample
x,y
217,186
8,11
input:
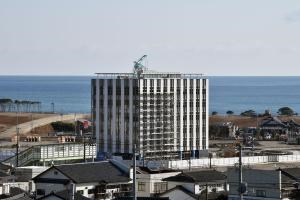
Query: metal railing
x,y
52,152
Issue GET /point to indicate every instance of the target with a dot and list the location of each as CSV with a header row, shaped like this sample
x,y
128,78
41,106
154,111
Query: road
x,y
26,127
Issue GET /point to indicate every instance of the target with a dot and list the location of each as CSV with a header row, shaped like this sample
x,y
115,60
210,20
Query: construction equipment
x,y
138,66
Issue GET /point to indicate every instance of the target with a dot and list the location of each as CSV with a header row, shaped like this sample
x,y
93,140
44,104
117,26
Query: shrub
x,y
63,126
229,112
249,113
214,113
285,111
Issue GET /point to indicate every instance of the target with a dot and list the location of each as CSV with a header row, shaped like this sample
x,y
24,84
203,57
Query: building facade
x,y
164,114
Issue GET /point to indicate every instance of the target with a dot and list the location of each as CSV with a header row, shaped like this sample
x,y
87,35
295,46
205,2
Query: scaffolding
x,y
157,127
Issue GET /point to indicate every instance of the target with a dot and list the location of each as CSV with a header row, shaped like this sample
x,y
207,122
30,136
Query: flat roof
x,y
149,74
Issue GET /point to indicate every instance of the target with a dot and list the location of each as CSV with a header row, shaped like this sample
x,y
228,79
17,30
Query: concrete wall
x,y
85,188
250,160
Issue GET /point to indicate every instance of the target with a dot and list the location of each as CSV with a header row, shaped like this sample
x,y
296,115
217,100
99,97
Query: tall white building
x,y
164,114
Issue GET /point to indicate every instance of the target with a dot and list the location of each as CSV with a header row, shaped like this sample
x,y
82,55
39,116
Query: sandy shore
x,y
27,121
7,120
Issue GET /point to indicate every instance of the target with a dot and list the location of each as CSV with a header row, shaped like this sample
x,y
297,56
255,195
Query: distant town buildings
x,y
272,126
164,114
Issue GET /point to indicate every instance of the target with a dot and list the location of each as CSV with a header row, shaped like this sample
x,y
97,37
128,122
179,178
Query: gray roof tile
x,y
94,172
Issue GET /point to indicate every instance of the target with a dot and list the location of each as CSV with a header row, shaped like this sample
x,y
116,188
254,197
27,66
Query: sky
x,y
214,37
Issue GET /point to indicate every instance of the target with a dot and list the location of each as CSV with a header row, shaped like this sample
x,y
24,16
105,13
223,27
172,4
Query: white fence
x,y
205,162
66,151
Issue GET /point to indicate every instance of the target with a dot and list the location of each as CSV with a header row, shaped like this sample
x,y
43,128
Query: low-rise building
x,y
24,175
99,180
268,184
194,184
63,195
5,179
150,182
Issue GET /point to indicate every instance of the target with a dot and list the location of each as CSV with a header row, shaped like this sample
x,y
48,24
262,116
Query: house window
x,y
160,187
260,193
141,186
55,172
40,192
91,191
80,191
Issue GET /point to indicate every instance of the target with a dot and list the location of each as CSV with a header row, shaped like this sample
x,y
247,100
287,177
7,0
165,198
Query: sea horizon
x,y
71,93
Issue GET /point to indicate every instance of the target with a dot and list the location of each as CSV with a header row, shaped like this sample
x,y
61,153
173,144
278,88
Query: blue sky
x,y
215,37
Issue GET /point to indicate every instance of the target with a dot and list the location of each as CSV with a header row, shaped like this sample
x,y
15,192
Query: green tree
x,y
285,111
229,112
214,113
63,126
249,113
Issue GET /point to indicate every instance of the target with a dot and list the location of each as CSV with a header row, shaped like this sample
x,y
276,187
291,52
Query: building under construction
x,y
165,115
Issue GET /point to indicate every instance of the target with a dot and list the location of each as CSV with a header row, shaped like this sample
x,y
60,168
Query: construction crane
x,y
138,66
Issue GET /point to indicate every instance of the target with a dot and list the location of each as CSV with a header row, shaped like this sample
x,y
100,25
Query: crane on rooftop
x,y
138,66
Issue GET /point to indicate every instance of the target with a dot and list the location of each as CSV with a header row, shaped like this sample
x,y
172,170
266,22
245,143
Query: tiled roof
x,y
93,172
2,174
142,198
5,167
16,194
293,173
273,122
64,195
198,176
181,188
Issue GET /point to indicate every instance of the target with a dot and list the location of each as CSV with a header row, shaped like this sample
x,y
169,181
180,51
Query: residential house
x,y
150,182
5,180
289,130
16,194
97,180
268,184
63,195
193,184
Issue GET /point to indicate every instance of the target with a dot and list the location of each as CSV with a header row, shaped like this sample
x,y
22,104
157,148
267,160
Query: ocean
x,y
72,94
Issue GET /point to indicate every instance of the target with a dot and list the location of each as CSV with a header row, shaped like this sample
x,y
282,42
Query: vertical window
x,y
204,83
141,186
151,83
160,187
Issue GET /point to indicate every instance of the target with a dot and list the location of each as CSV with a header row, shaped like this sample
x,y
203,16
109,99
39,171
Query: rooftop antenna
x,y
138,67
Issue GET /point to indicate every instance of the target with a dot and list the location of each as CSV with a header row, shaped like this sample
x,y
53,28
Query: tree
x,y
214,113
8,105
63,126
285,111
229,112
249,113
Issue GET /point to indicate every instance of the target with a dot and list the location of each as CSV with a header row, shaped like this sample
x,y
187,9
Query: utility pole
x,y
17,159
84,149
210,156
190,156
206,195
31,123
134,173
17,147
240,172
